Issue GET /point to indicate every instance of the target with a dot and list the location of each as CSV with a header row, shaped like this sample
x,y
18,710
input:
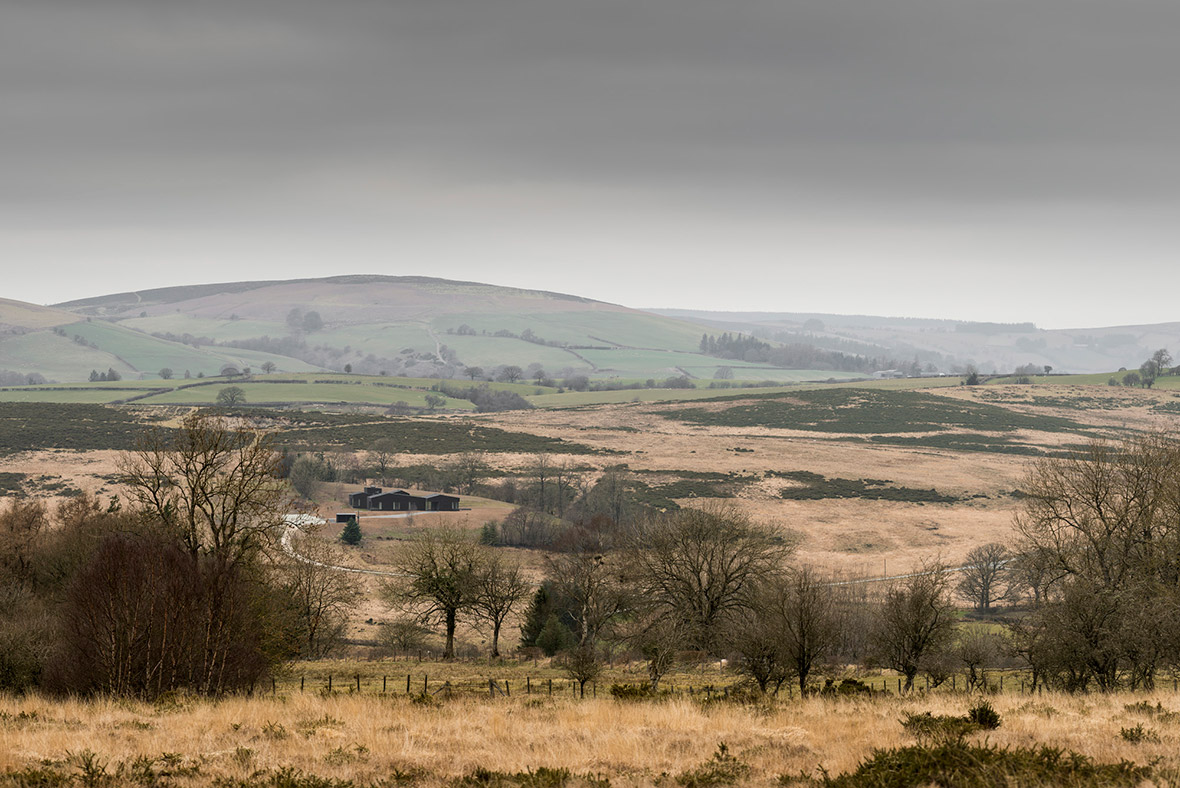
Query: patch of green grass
x,y
263,393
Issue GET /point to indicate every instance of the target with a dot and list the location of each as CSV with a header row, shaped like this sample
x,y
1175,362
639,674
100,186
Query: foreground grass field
x,y
399,740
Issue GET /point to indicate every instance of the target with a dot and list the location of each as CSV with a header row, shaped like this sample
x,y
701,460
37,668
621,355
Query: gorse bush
x,y
541,777
984,715
720,770
1138,734
938,728
970,766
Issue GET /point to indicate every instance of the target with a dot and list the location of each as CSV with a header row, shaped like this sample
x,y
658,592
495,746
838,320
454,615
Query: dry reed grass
x,y
367,738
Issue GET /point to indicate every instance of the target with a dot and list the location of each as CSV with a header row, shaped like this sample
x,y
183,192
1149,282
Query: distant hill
x,y
398,326
999,347
425,327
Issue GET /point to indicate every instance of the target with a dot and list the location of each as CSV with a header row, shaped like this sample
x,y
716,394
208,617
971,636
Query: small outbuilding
x,y
442,503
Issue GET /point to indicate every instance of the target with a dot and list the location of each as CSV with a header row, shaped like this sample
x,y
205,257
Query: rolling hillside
x,y
394,326
420,327
991,347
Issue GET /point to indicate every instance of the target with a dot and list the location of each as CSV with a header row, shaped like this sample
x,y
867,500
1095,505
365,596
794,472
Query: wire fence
x,y
425,685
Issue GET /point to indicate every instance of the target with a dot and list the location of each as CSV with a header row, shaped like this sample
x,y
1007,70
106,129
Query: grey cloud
x,y
195,113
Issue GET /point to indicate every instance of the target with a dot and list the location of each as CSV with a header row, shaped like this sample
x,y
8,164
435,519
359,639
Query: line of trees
x,y
1096,572
180,587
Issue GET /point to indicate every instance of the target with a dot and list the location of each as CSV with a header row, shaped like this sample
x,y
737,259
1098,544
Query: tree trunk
x,y
449,652
496,639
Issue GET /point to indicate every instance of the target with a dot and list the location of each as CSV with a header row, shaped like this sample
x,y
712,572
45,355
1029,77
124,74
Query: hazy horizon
x,y
1008,162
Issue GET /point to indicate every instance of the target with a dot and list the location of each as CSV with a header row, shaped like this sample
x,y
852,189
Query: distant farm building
x,y
442,503
373,499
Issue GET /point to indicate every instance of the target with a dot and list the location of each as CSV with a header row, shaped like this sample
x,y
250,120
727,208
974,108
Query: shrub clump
x,y
542,777
984,715
970,766
938,728
721,769
847,688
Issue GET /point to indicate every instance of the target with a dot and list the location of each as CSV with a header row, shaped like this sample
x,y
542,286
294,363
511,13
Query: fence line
x,y
388,685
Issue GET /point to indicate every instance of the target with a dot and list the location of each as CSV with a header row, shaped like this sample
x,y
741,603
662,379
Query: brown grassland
x,y
368,737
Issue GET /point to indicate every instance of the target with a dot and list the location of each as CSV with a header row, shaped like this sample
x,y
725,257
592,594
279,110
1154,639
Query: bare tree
x,y
985,576
217,487
582,663
468,469
810,616
500,587
23,522
383,450
915,622
659,640
231,395
1103,526
697,566
590,581
978,650
441,571
324,596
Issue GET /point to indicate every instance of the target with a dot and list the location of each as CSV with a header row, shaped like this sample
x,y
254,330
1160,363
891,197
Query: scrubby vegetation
x,y
37,425
814,486
864,412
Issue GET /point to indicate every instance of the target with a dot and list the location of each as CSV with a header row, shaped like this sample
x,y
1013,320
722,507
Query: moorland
x,y
865,492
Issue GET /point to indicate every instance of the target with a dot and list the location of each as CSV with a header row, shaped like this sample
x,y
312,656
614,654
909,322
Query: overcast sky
x,y
977,159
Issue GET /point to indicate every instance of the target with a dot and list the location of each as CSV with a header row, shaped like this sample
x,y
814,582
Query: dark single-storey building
x,y
373,499
346,517
398,501
442,503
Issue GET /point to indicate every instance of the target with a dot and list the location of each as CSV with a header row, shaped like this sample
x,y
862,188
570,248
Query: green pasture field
x,y
591,327
56,357
150,354
577,398
1167,382
650,363
66,395
301,393
143,352
489,351
357,389
386,340
214,328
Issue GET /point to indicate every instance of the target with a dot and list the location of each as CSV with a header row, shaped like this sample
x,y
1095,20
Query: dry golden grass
x,y
366,738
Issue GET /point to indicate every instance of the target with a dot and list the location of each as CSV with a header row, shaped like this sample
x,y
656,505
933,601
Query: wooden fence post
x,y
329,682
407,683
358,682
301,683
384,679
